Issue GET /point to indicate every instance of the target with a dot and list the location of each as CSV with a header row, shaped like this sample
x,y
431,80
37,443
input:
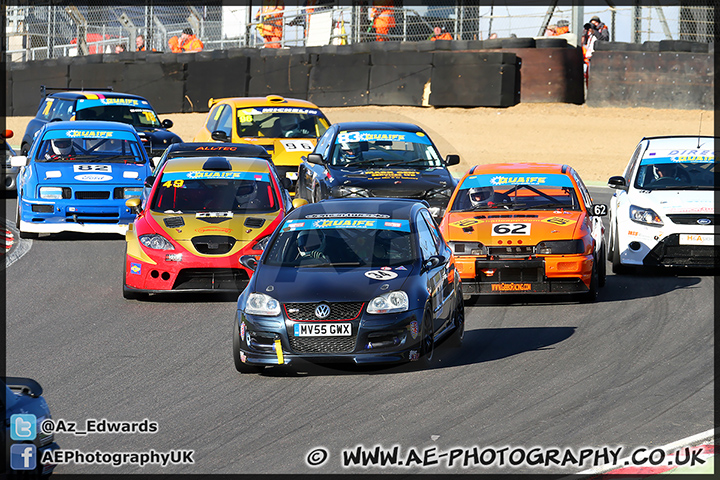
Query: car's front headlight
x,y
560,247
391,302
156,242
131,192
646,216
353,192
51,193
262,243
261,304
468,248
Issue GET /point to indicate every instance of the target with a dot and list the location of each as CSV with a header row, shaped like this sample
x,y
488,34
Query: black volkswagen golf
x,y
348,280
377,159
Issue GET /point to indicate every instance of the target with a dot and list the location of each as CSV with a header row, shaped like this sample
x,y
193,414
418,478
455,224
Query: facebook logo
x,y
23,456
23,427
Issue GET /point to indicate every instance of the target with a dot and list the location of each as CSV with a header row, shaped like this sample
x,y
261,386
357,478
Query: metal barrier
x,y
52,31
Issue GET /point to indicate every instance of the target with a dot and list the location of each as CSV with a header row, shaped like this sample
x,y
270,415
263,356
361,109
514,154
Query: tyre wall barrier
x,y
285,75
460,73
474,79
399,78
651,79
339,80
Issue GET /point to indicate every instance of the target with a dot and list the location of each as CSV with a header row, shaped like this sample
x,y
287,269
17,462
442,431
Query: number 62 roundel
x,y
511,229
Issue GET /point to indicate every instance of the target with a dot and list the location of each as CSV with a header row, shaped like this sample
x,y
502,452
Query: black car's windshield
x,y
384,149
373,243
280,122
236,192
90,150
142,117
677,173
516,192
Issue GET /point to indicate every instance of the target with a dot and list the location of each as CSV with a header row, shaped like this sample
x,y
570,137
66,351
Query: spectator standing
x,y
588,47
563,26
383,19
187,42
120,48
492,36
440,34
271,26
550,31
600,29
140,43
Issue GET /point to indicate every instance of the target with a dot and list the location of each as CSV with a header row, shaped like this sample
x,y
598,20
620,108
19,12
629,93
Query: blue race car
x,y
102,105
77,177
349,280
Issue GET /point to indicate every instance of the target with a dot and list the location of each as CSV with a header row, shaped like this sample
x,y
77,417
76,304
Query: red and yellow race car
x,y
201,216
526,228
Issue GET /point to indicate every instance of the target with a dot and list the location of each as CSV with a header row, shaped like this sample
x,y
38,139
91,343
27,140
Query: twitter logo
x,y
23,426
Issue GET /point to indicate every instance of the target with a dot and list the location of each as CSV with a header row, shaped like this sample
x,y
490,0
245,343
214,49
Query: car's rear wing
x,y
25,385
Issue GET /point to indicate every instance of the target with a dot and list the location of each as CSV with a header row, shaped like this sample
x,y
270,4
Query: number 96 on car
x,y
322,329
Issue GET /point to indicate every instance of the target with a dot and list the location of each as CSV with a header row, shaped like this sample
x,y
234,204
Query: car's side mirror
x,y
249,261
219,136
149,181
18,161
617,182
599,210
133,204
299,202
315,158
433,262
286,183
167,123
452,159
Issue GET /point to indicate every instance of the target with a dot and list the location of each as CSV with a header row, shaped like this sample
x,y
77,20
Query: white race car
x,y
663,211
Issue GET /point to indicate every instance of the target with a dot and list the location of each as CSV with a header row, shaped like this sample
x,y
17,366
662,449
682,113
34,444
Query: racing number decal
x,y
599,210
380,274
511,229
297,145
244,118
48,104
174,184
92,168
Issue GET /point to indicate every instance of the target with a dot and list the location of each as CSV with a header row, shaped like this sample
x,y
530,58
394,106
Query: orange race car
x,y
526,228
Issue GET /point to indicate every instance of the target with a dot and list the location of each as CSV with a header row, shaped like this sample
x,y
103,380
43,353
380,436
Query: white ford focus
x,y
663,210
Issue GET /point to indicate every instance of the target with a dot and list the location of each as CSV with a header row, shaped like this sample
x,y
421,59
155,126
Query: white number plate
x,y
689,239
511,229
323,329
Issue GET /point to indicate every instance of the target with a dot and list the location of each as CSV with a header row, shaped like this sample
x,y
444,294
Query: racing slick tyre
x,y
592,293
24,235
240,366
602,267
456,339
427,347
617,267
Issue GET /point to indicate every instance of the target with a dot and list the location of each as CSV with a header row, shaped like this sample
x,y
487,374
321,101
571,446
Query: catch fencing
x,y
38,32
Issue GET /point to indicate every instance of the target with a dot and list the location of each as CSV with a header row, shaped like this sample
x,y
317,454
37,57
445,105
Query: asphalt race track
x,y
635,369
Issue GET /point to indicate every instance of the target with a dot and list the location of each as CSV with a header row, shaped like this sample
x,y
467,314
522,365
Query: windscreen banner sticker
x,y
297,145
562,222
266,110
381,274
392,174
213,175
132,102
702,156
364,223
382,135
92,168
493,180
92,134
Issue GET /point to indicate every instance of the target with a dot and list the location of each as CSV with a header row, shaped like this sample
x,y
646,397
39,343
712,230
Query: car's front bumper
x,y
388,338
549,274
67,215
694,246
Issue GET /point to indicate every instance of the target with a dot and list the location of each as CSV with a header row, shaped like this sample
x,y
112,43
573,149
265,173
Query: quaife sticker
x,y
381,274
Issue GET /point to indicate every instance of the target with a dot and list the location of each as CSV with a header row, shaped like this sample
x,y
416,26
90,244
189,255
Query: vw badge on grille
x,y
322,311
